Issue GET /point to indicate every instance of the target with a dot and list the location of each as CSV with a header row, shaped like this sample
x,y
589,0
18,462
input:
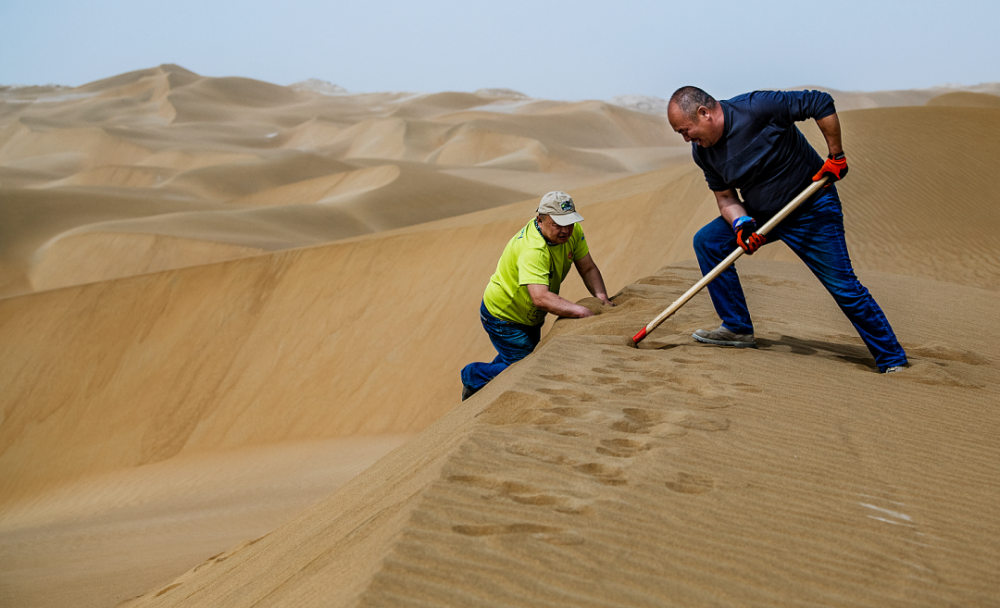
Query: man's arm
x,y
592,278
556,304
731,209
730,206
830,127
835,165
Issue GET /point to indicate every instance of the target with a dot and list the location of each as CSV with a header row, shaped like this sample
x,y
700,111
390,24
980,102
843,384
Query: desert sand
x,y
233,316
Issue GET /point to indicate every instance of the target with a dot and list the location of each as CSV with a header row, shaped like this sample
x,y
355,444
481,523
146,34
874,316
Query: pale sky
x,y
564,50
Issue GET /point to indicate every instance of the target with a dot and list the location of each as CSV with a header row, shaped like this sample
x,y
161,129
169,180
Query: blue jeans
x,y
513,343
816,235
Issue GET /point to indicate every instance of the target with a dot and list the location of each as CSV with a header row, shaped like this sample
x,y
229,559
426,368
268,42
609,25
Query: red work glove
x,y
746,234
835,167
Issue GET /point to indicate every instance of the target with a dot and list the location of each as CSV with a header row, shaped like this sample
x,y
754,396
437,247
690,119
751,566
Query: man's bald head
x,y
688,99
697,116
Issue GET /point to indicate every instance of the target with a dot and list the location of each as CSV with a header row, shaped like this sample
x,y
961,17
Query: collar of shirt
x,y
547,242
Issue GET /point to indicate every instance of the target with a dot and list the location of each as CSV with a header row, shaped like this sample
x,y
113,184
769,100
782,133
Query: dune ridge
x,y
863,100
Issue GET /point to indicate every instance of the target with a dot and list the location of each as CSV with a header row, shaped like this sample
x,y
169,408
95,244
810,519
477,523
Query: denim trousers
x,y
816,235
513,342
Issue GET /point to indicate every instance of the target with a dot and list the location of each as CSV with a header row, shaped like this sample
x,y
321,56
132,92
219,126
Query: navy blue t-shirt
x,y
761,152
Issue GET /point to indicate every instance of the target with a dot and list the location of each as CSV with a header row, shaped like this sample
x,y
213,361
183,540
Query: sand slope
x,y
677,475
137,411
185,345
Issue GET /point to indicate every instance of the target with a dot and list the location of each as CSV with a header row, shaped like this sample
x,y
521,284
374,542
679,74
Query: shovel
x,y
726,263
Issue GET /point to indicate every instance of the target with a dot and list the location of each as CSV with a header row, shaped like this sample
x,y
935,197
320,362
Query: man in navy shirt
x,y
755,161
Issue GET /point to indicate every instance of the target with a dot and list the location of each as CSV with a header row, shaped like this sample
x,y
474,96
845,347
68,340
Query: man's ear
x,y
703,113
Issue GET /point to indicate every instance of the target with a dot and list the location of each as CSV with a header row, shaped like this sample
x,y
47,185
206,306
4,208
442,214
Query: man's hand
x,y
835,166
746,234
593,279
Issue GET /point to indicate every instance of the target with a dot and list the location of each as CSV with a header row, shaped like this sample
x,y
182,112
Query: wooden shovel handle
x,y
726,263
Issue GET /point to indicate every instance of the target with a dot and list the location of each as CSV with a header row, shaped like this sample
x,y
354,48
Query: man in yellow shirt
x,y
526,284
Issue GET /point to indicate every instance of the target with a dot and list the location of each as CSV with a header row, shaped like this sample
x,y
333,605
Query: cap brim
x,y
567,219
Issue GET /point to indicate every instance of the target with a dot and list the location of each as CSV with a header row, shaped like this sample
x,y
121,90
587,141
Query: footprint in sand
x,y
565,432
555,418
561,504
699,421
622,448
688,483
559,378
568,412
935,374
541,453
638,420
638,389
642,421
945,352
606,474
565,396
525,494
494,529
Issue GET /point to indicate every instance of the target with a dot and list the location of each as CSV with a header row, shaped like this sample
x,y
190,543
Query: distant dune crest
x,y
502,93
642,103
319,86
966,99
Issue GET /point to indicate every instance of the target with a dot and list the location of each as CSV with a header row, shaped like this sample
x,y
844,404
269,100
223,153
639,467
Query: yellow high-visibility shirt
x,y
529,260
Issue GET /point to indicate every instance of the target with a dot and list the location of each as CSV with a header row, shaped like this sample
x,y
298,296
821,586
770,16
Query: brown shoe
x,y
724,337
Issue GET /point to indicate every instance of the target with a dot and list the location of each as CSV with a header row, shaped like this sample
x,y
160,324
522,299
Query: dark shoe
x,y
467,392
724,337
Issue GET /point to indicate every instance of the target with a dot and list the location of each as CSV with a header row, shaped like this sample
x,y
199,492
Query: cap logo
x,y
567,206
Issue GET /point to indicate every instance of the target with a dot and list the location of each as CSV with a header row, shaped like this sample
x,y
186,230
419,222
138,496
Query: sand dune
x,y
244,295
224,182
597,474
169,133
34,217
966,99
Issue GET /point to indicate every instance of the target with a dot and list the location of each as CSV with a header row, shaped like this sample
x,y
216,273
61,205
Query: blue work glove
x,y
746,234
